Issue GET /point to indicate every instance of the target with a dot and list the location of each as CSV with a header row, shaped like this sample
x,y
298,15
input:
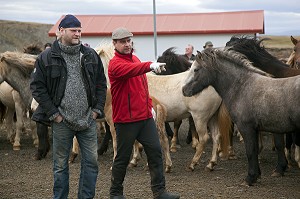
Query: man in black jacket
x,y
70,86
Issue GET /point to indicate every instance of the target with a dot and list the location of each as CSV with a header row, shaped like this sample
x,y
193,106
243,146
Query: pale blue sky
x,y
282,17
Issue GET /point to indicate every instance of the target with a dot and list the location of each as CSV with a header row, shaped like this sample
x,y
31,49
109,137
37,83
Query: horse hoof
x,y
246,184
168,169
37,156
207,168
276,174
131,165
190,168
173,150
16,148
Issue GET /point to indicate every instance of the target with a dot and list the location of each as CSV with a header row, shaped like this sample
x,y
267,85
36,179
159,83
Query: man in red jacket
x,y
132,115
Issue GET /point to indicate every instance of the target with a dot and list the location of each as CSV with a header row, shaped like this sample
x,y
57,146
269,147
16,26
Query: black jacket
x,y
50,76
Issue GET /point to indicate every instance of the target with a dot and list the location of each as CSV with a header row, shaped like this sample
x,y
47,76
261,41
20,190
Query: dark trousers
x,y
146,133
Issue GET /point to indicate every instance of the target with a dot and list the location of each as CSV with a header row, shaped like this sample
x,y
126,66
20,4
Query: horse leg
x,y
75,150
215,134
9,124
161,130
136,156
193,131
250,138
44,143
34,133
297,149
201,128
288,148
169,130
105,142
20,112
174,139
282,162
231,152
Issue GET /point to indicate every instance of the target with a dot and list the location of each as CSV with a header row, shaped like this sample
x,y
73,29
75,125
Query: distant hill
x,y
16,35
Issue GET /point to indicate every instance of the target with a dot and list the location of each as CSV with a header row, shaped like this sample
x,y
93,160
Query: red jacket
x,y
129,88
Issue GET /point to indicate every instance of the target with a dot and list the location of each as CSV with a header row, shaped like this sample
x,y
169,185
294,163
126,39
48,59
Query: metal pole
x,y
154,30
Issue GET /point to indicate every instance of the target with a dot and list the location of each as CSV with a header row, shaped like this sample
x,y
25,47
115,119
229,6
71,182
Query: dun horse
x,y
254,100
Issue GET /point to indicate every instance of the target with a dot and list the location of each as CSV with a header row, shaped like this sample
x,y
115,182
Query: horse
x,y
253,98
260,58
294,59
177,64
15,69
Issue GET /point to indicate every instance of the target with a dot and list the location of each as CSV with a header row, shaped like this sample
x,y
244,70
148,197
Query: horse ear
x,y
294,41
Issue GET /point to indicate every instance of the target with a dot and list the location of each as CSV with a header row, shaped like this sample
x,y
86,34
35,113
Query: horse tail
x,y
225,125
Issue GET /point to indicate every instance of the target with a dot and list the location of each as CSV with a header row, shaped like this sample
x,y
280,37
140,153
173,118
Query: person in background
x,y
47,45
208,44
189,53
70,86
132,115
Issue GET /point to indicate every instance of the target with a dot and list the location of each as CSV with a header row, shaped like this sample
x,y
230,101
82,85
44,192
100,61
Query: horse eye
x,y
196,69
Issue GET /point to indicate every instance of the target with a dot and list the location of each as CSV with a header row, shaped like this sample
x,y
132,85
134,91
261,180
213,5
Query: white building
x,y
173,30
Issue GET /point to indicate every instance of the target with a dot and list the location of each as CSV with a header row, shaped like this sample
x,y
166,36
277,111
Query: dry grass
x,y
278,41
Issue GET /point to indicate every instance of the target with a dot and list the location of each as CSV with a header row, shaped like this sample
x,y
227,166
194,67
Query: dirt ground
x,y
23,177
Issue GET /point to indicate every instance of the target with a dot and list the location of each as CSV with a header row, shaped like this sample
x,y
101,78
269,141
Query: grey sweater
x,y
74,106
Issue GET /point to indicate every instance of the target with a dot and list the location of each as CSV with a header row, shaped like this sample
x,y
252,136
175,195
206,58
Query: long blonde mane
x,y
24,62
106,52
291,61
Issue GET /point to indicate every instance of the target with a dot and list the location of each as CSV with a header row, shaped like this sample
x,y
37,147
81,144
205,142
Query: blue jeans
x,y
62,143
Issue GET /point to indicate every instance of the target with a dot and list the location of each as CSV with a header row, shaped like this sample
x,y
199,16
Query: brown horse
x,y
294,59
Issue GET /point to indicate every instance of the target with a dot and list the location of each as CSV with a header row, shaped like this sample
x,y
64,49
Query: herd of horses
x,y
241,84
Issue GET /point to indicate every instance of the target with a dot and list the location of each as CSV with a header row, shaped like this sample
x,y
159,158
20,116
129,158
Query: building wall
x,y
144,45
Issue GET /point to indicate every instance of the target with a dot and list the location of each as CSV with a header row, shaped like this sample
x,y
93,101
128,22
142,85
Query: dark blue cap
x,y
69,21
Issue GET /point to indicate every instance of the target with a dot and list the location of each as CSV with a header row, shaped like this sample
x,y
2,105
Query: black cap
x,y
69,21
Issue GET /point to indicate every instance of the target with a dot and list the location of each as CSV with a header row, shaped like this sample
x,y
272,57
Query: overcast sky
x,y
282,17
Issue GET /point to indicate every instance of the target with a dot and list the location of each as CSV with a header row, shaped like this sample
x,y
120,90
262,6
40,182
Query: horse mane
x,y
24,62
32,49
253,48
214,55
174,63
105,51
291,61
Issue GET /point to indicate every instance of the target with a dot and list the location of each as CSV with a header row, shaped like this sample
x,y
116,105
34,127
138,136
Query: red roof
x,y
167,24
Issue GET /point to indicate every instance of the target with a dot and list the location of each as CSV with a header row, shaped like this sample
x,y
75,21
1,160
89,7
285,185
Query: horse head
x,y
32,49
174,62
294,60
200,75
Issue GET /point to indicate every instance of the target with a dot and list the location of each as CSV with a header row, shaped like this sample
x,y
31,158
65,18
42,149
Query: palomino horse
x,y
15,69
206,108
253,99
260,58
